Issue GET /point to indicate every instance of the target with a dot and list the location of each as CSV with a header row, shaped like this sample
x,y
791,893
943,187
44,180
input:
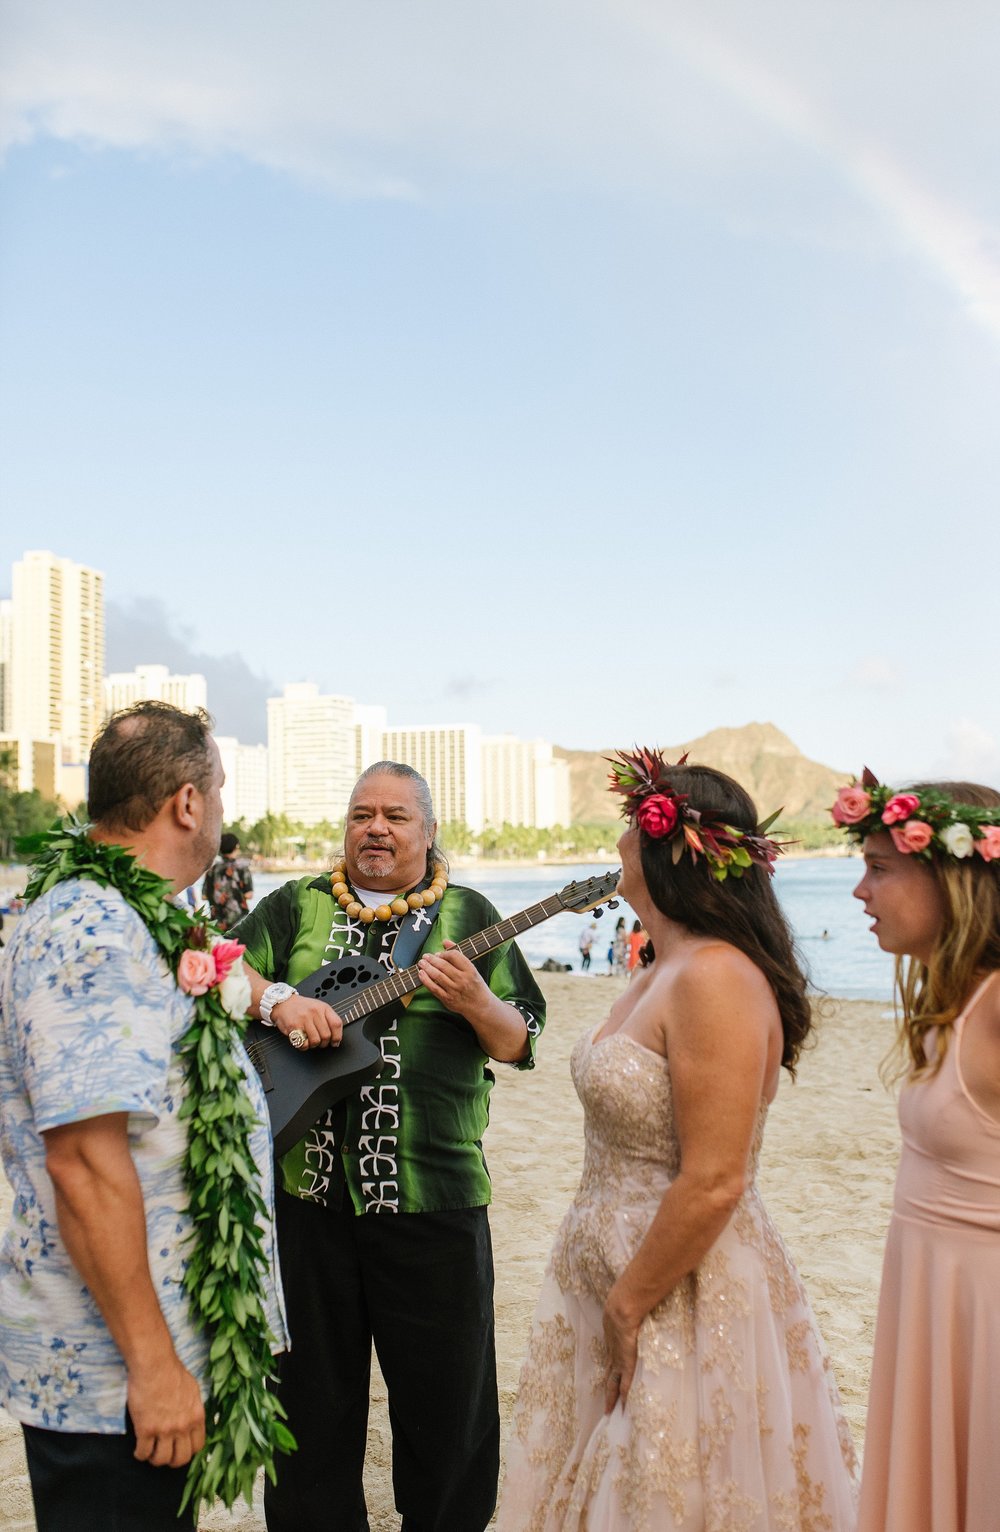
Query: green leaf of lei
x,y
243,1419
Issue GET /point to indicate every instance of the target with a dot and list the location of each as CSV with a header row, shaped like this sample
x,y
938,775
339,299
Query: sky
x,y
603,371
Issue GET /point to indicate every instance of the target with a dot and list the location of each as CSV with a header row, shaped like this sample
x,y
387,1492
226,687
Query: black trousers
x,y
420,1285
83,1482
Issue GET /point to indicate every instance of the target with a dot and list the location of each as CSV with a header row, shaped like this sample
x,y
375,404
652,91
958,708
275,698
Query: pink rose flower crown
x,y
665,814
924,824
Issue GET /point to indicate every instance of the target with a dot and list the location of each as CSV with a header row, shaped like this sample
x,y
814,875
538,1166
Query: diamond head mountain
x,y
772,769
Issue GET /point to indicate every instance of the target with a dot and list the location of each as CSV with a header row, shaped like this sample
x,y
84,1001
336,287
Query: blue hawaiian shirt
x,y
90,1021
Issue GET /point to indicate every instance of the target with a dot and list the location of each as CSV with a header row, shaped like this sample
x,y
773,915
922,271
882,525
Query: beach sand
x,y
827,1171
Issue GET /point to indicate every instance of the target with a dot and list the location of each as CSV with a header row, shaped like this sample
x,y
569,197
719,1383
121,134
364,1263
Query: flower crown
x,y
665,814
919,823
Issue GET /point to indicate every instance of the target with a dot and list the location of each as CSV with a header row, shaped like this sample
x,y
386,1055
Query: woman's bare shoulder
x,y
709,965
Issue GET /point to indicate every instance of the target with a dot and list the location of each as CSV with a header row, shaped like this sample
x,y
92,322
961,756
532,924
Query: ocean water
x,y
839,953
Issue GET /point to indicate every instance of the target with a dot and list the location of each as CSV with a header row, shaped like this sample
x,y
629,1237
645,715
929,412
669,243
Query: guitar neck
x,y
374,996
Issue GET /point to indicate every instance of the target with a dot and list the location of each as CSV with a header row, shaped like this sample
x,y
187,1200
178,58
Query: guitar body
x,y
301,1084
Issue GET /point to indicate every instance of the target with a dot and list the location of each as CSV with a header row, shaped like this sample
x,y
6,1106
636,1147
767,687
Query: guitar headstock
x,y
590,892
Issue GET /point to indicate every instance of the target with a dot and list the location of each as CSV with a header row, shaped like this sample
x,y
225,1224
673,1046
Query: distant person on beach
x,y
932,886
619,948
101,1359
675,1377
383,1228
588,937
637,939
228,884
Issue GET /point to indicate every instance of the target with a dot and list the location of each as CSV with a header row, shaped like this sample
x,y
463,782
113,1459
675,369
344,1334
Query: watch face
x,y
272,996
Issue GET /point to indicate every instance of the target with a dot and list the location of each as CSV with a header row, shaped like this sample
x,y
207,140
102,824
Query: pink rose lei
x,y
226,953
853,804
199,971
914,835
988,845
926,822
196,972
900,807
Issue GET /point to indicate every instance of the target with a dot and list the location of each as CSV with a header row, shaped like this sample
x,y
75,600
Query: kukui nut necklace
x,y
401,905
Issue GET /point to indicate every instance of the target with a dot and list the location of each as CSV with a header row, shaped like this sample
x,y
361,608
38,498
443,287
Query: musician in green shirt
x,y
419,1282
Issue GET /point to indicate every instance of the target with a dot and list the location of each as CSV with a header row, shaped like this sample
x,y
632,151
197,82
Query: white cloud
x,y
971,753
874,673
746,107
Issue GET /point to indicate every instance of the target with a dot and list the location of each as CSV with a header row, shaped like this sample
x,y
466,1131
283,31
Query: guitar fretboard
x,y
374,996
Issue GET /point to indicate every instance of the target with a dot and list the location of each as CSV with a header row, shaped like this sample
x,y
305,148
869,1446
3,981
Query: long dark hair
x,y
742,911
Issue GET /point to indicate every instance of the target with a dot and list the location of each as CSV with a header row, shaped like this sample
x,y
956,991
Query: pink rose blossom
x,y
915,835
900,807
226,953
657,815
989,846
853,804
196,972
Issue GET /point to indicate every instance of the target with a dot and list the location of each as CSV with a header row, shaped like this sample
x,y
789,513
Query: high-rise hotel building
x,y
6,666
56,653
154,683
524,783
244,792
311,754
449,757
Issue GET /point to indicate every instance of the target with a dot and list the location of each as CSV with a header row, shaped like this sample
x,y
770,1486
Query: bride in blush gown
x,y
675,1377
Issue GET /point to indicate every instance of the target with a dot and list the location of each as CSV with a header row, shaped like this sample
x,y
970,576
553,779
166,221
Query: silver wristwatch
x,y
272,996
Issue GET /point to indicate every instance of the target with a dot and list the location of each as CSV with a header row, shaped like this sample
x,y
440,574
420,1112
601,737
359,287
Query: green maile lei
x,y
226,1269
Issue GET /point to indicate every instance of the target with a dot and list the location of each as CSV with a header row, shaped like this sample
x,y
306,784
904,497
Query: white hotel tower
x,y
56,653
311,745
154,683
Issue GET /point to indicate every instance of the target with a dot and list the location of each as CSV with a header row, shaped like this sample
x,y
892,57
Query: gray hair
x,y
424,802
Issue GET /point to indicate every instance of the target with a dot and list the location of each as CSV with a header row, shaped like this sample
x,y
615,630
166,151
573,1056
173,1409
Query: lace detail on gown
x,y
733,1423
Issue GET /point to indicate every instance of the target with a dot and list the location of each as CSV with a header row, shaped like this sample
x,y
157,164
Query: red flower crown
x,y
665,814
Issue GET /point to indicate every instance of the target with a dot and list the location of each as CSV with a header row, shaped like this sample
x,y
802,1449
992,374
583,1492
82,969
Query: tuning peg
x,y
597,912
612,904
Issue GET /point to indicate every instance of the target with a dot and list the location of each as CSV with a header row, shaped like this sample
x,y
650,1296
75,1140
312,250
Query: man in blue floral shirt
x,y
99,1359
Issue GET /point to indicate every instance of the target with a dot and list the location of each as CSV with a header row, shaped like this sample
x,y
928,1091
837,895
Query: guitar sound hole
x,y
346,978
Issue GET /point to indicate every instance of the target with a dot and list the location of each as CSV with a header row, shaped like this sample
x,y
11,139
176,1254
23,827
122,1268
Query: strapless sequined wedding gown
x,y
733,1422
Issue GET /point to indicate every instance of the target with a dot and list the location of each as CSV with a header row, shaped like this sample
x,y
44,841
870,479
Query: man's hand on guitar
x,y
322,1026
453,980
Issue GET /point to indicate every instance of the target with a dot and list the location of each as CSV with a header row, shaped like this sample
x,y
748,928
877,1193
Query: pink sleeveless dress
x,y
932,1446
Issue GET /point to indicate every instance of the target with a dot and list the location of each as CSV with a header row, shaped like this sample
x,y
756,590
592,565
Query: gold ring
x,y
297,1037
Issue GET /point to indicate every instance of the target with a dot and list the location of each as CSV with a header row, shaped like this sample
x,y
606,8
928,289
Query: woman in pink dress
x,y
675,1379
932,886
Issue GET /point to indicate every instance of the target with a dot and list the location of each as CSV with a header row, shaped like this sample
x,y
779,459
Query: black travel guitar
x,y
301,1085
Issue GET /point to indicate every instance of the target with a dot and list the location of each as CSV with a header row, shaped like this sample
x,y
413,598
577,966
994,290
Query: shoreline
x,y
826,1175
14,874
490,863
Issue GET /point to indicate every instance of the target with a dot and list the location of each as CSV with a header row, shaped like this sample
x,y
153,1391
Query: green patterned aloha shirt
x,y
411,1140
